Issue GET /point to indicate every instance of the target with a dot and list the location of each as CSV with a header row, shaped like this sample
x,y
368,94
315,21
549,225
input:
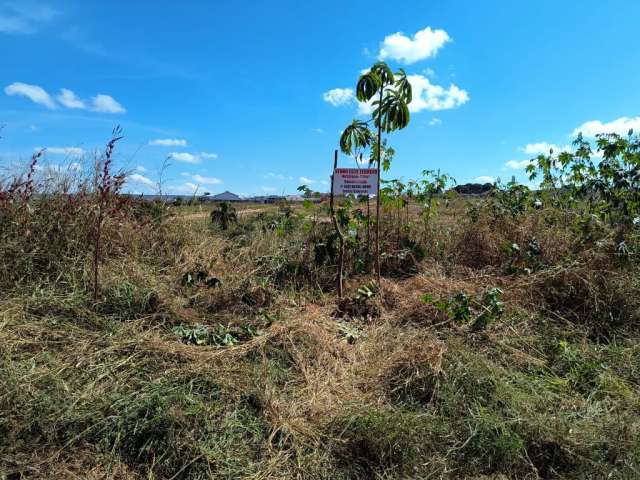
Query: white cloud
x,y
140,169
137,178
168,142
33,92
543,148
317,130
268,189
197,180
206,180
484,179
424,44
192,157
185,157
621,126
338,96
23,17
306,181
435,121
540,148
186,187
106,104
69,99
427,96
518,164
71,151
101,103
54,169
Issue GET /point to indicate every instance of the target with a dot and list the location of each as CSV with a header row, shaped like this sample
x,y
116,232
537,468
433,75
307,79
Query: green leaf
x,y
392,114
403,87
355,136
368,85
384,73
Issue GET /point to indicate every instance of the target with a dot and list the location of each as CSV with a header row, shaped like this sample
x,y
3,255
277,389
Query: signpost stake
x,y
368,233
336,225
368,225
357,182
379,147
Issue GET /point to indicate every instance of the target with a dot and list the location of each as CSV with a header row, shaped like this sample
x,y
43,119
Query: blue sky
x,y
251,97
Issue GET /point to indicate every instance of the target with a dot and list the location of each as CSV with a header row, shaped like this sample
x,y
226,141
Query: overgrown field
x,y
503,341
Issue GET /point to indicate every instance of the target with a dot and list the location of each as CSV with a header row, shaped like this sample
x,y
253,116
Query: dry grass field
x,y
499,345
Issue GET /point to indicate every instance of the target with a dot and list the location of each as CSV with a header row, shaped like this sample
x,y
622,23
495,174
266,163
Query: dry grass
x,y
380,387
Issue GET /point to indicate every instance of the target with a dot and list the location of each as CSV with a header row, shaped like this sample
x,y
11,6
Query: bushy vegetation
x,y
502,341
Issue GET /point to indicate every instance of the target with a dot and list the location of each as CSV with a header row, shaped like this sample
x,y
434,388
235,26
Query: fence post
x,y
337,226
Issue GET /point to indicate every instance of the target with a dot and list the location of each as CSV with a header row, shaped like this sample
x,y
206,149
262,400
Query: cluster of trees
x,y
473,188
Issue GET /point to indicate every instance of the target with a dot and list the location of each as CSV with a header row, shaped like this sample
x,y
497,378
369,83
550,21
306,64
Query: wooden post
x,y
368,222
378,201
337,227
368,233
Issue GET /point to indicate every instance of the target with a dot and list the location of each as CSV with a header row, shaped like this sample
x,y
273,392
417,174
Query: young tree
x,y
391,95
224,215
433,184
393,195
610,186
412,191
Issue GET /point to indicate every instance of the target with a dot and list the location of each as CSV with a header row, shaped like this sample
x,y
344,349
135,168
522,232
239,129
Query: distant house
x,y
273,199
267,199
225,197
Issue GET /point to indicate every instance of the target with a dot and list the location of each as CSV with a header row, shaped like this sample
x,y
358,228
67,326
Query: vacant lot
x,y
502,341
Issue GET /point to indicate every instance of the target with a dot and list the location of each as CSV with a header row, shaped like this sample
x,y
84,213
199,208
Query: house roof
x,y
226,196
295,198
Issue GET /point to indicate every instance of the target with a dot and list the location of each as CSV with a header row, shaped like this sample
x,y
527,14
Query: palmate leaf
x,y
373,153
368,85
370,82
392,114
355,136
384,73
403,87
386,155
